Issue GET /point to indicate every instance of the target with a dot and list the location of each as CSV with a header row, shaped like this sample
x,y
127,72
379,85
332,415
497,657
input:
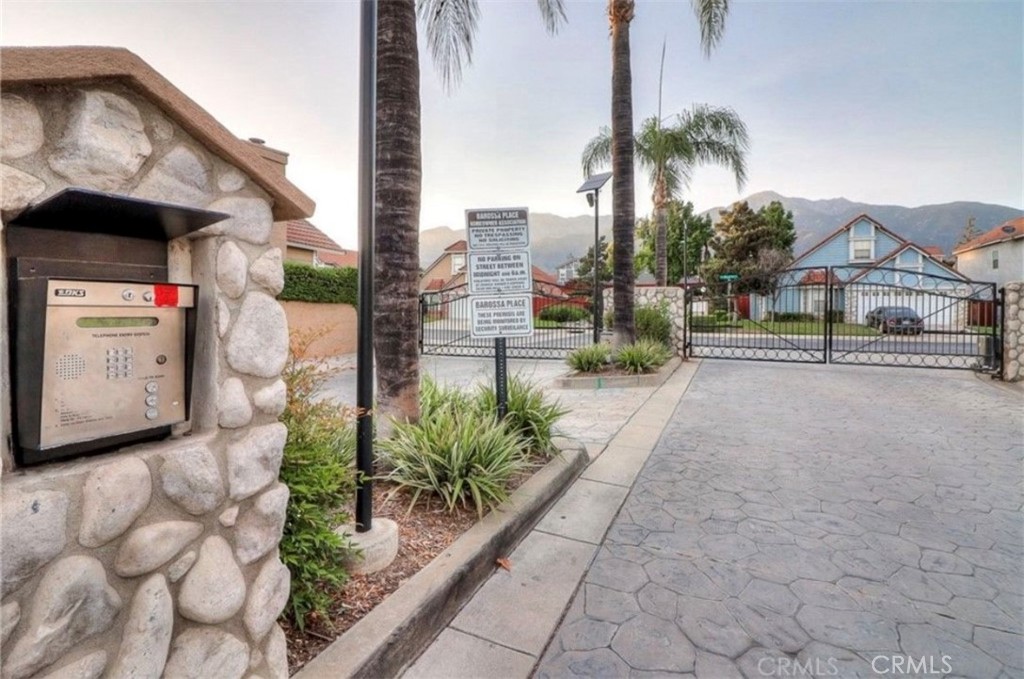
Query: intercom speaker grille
x,y
70,366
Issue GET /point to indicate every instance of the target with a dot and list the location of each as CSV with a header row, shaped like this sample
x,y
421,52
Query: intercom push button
x,y
151,387
152,414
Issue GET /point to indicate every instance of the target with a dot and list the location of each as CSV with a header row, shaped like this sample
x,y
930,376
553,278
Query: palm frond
x,y
450,26
711,16
553,14
716,135
598,152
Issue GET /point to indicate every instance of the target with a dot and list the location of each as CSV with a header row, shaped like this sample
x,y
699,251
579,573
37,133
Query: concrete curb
x,y
584,381
394,633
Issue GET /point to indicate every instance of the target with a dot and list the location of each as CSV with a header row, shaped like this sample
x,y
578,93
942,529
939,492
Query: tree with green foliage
x,y
753,245
969,233
585,272
669,153
680,221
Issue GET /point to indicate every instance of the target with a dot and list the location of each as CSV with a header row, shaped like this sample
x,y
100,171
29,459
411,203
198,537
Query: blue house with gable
x,y
870,266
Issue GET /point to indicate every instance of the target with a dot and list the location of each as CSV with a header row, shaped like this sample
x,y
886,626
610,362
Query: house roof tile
x,y
304,235
1009,230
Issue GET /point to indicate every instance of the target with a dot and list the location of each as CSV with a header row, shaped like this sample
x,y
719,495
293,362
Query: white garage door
x,y
939,311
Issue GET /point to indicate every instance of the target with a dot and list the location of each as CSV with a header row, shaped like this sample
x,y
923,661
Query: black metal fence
x,y
851,315
562,322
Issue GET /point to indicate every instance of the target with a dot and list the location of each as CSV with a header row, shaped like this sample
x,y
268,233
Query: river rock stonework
x,y
1013,333
132,563
671,298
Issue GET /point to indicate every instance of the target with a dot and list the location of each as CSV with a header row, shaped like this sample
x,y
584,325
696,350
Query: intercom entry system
x,y
115,367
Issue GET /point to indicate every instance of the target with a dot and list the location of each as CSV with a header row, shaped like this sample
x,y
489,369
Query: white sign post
x,y
500,283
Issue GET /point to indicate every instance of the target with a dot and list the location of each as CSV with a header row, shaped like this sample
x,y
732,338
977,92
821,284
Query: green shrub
x,y
326,285
590,359
317,468
837,316
436,398
530,414
700,322
642,356
563,313
654,323
464,457
791,317
609,320
721,315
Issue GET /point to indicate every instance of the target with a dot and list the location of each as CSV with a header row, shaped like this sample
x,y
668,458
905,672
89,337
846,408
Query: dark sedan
x,y
895,319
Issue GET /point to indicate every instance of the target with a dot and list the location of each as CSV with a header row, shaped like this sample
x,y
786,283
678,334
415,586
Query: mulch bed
x,y
423,533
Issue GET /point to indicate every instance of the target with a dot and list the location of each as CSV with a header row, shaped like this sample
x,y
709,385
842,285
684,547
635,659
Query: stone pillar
x,y
158,559
1013,333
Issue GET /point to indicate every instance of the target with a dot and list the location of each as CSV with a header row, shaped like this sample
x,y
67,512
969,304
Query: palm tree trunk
x,y
620,14
398,183
661,235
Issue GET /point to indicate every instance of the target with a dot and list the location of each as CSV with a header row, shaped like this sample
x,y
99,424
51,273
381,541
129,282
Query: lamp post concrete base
x,y
379,545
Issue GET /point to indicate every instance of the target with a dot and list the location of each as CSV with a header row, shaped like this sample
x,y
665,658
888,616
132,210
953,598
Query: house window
x,y
862,249
995,259
458,263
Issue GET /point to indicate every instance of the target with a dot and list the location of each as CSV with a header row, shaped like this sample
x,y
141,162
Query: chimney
x,y
277,159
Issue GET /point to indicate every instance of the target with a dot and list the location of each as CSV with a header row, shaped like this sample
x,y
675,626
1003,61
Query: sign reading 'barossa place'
x,y
498,229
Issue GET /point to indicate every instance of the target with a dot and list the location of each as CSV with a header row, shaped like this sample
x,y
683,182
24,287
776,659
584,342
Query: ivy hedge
x,y
324,285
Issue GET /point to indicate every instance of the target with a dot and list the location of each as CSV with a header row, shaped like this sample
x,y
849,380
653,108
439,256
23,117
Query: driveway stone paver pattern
x,y
814,521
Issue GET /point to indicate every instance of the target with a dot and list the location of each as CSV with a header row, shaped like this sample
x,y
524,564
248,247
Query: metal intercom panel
x,y
115,363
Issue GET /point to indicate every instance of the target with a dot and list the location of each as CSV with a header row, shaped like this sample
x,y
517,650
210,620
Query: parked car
x,y
895,319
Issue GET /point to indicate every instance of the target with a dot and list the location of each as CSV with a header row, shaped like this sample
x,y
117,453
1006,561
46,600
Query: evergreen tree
x,y
585,272
681,219
753,245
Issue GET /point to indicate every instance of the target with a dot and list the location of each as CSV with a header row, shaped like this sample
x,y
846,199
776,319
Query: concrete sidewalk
x,y
503,630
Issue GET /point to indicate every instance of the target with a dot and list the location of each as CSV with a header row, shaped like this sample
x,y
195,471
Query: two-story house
x,y
871,266
307,244
996,256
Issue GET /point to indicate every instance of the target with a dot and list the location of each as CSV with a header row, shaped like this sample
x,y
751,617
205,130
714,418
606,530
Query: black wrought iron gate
x,y
850,315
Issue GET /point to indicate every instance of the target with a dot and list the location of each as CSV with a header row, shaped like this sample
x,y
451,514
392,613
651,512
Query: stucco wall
x,y
977,264
155,559
334,325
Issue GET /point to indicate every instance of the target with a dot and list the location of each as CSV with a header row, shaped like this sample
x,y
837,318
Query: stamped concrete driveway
x,y
814,521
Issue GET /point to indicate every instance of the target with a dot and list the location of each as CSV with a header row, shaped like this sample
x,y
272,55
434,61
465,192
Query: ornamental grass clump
x,y
643,356
317,467
590,359
465,457
529,413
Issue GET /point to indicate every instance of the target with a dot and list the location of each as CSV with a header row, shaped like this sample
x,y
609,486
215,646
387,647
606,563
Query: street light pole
x,y
598,306
592,187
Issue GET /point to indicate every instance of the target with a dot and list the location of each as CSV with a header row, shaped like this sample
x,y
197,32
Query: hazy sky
x,y
910,103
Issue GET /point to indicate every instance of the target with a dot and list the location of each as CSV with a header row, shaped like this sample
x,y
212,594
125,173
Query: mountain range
x,y
554,239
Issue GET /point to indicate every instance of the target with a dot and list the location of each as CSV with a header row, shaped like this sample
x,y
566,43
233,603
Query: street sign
x,y
728,277
498,229
492,273
501,316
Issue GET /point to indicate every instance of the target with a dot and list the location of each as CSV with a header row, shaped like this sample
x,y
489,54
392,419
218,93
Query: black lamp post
x,y
592,187
364,346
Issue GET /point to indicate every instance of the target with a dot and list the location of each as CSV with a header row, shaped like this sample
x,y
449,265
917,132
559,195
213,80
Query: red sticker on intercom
x,y
165,295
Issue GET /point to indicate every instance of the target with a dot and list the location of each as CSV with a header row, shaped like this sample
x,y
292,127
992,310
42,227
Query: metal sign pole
x,y
501,376
364,348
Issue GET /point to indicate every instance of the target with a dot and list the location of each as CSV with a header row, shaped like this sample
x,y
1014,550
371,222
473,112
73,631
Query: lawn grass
x,y
542,324
807,328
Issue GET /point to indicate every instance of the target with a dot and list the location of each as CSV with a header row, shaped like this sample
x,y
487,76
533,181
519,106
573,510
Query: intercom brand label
x,y
69,292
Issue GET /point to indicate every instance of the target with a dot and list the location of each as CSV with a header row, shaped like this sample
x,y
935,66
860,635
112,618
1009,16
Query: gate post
x,y
827,339
423,320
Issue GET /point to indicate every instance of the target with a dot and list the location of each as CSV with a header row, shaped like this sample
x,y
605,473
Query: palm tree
x,y
700,136
711,17
450,26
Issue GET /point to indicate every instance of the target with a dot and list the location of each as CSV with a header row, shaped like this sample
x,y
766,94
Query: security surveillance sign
x,y
502,316
496,273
